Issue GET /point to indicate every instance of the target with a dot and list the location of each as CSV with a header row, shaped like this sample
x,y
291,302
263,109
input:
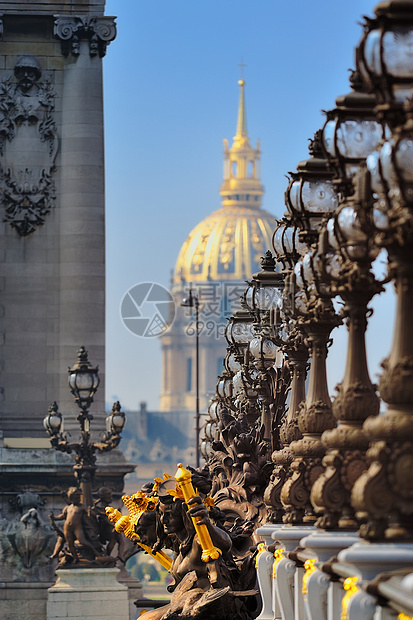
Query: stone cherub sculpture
x,y
207,581
81,541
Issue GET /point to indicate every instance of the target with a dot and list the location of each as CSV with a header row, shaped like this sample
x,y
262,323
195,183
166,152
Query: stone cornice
x,y
71,29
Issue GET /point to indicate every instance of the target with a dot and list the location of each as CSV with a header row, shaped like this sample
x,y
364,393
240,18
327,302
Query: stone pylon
x,y
52,269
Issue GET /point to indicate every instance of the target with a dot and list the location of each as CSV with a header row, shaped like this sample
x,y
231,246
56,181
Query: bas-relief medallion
x,y
28,146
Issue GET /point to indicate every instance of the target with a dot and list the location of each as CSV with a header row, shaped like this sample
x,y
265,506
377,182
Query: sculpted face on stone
x,y
27,72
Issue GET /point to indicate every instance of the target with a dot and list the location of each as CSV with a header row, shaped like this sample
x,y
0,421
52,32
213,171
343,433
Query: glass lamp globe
x,y
53,422
350,134
205,449
354,239
239,331
384,56
238,383
263,350
286,243
214,410
83,380
227,387
311,194
231,363
115,421
265,288
220,388
391,171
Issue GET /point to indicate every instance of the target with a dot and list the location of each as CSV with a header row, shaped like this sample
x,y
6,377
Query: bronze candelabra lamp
x,y
83,383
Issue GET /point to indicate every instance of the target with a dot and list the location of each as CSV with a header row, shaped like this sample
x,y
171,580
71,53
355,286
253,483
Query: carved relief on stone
x,y
26,541
98,31
28,146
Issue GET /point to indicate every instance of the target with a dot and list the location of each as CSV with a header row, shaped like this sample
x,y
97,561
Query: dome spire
x,y
242,117
242,184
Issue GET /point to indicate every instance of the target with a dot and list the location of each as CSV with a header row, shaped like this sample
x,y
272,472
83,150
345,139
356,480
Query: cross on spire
x,y
242,65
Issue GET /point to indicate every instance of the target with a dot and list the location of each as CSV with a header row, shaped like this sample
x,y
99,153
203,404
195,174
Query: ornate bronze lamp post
x,y
290,338
262,297
392,434
384,493
345,256
83,382
310,197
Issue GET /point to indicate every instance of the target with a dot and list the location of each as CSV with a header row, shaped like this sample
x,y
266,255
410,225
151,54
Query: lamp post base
x,y
88,593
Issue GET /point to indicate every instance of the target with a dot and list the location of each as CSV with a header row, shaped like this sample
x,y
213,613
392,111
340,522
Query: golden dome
x,y
226,245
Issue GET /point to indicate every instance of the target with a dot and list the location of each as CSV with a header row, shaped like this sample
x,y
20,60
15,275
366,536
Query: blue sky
x,y
171,96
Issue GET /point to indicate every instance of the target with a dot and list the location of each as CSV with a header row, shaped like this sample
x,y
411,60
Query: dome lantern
x,y
242,184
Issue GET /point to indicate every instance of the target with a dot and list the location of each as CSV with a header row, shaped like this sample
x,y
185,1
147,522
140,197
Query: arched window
x,y
250,169
234,169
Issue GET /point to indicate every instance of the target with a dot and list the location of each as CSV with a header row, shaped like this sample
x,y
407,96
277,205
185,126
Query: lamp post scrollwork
x,y
83,383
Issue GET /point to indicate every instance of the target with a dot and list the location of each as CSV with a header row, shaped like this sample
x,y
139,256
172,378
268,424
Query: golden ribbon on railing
x,y
310,567
278,555
209,551
350,585
260,550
